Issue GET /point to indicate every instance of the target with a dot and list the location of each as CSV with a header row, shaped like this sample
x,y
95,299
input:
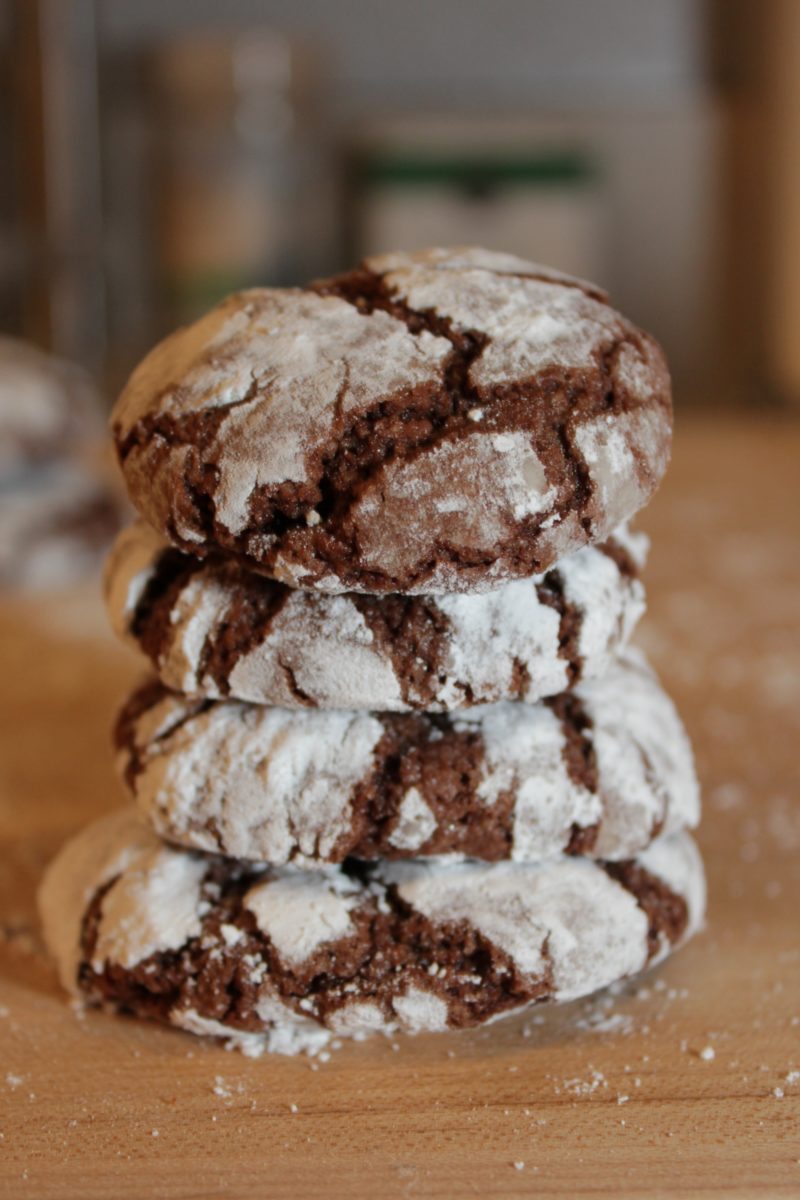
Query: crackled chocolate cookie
x,y
214,629
599,771
435,422
216,947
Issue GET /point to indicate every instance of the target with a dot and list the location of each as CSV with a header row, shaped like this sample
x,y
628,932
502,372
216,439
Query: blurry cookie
x,y
213,628
55,526
444,421
47,407
215,947
600,771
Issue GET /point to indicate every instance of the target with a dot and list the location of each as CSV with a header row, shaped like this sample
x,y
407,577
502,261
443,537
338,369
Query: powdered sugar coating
x,y
563,928
419,435
574,921
114,845
300,912
279,786
279,344
321,650
644,759
534,318
265,783
152,906
496,477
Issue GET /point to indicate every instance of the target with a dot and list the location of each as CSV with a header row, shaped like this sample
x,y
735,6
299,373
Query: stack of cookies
x,y
398,768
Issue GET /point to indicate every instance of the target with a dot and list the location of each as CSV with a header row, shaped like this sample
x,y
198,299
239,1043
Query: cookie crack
x,y
412,632
550,592
179,427
302,698
578,750
368,292
251,608
667,913
426,424
622,559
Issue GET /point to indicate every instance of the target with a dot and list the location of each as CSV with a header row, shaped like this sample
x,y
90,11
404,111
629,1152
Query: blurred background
x,y
158,155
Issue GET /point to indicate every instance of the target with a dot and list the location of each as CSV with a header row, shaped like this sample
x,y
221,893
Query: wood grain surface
x,y
686,1082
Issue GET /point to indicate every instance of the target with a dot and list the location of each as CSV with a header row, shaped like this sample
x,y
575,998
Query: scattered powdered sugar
x,y
602,1022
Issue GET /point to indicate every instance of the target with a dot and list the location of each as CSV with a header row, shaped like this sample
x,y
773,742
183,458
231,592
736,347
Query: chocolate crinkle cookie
x,y
215,629
601,771
442,421
282,960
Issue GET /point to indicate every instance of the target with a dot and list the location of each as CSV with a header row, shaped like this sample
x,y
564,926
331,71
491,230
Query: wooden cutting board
x,y
683,1083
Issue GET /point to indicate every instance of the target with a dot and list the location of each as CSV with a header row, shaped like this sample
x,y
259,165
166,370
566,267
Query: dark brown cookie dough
x,y
444,421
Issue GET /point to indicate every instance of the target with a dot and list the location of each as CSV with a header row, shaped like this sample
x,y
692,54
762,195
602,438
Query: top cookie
x,y
434,422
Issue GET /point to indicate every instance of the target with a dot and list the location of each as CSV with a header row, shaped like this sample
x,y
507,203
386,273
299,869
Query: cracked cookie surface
x,y
435,422
600,771
213,946
214,629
